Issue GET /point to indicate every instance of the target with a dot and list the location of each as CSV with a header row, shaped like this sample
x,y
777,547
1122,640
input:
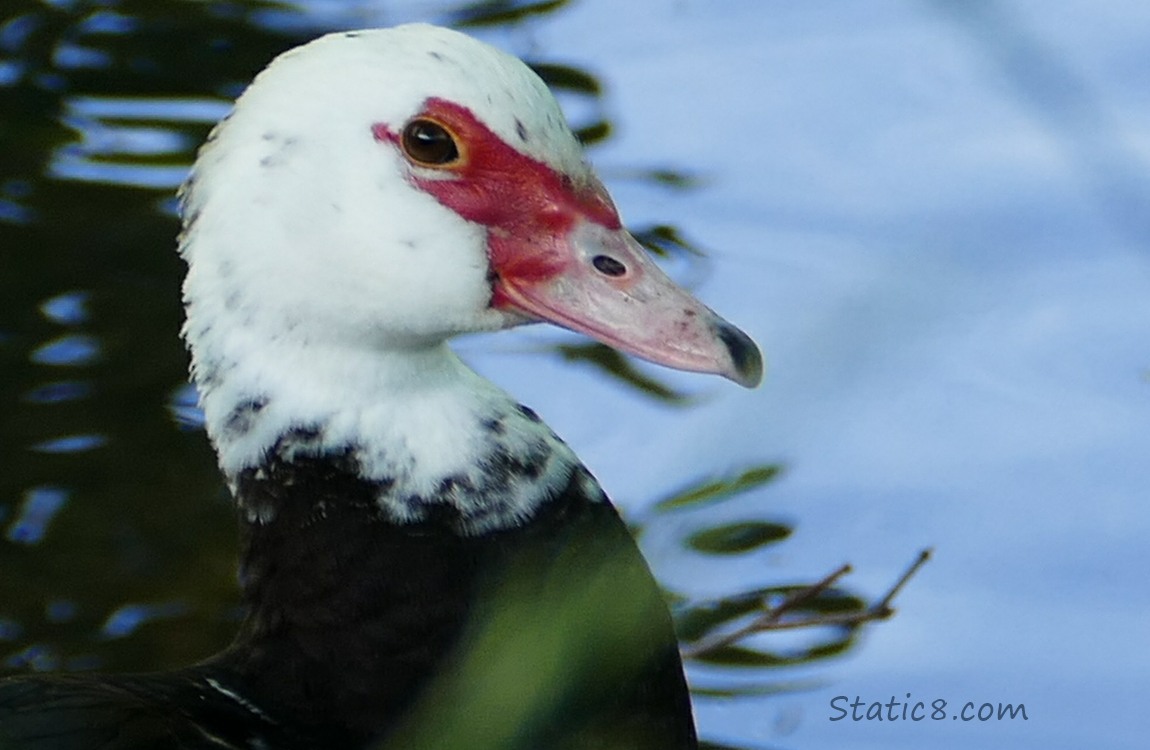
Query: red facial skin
x,y
527,205
544,232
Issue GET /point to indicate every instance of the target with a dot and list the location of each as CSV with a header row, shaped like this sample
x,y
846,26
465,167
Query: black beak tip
x,y
746,359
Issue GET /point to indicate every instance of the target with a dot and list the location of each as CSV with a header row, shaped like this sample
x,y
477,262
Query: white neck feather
x,y
417,421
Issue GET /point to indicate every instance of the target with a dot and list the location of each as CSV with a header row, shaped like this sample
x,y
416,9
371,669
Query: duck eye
x,y
429,144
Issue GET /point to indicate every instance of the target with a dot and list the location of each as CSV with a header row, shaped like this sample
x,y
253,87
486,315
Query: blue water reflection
x,y
11,211
70,308
57,392
128,618
60,610
40,506
15,31
36,657
10,630
183,404
72,350
70,444
14,191
67,56
108,22
128,140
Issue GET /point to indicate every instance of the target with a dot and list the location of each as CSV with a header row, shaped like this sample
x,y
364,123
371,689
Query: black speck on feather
x,y
242,417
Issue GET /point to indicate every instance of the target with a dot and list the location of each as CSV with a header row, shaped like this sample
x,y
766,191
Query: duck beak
x,y
599,281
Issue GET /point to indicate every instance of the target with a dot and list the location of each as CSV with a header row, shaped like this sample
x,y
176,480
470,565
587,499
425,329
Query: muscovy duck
x,y
425,564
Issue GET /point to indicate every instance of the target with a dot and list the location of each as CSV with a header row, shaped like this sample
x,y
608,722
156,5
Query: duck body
x,y
363,631
425,564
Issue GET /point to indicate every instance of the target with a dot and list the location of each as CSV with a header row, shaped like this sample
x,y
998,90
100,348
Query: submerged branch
x,y
771,618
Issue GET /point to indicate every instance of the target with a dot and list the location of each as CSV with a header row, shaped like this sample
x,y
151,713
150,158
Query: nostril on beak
x,y
608,266
745,355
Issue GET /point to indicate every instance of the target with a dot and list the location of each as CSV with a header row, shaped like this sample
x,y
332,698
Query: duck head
x,y
392,188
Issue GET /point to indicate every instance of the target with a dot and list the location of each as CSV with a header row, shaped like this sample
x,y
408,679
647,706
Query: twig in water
x,y
771,617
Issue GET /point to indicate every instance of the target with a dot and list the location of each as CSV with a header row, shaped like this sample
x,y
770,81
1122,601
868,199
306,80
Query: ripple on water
x,y
69,308
127,619
185,409
72,350
61,610
10,630
40,506
70,444
38,657
58,392
143,142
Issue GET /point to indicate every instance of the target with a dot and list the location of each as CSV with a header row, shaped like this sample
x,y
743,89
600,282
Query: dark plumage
x,y
361,629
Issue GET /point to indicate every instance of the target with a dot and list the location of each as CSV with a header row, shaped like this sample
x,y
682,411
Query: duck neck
x,y
414,424
347,613
371,502
352,617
